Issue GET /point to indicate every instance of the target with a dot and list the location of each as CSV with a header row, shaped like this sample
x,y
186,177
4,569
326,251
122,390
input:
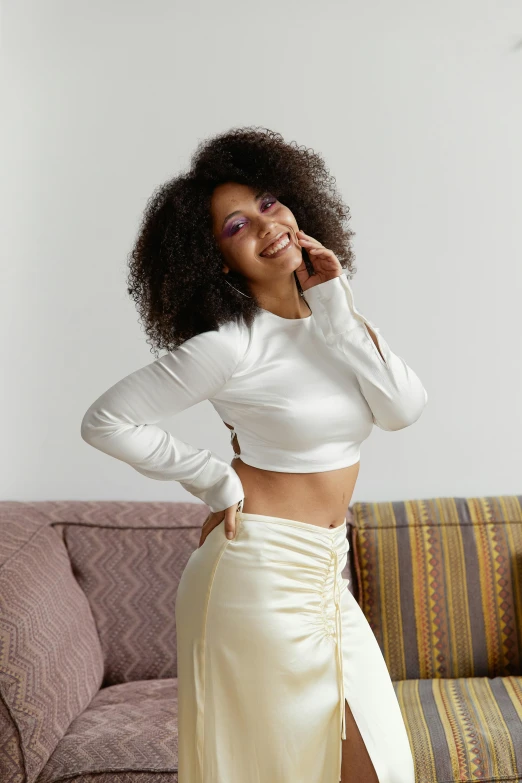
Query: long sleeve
x,y
123,421
393,391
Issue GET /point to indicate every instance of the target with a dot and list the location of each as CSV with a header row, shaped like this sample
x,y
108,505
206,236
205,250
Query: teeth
x,y
279,246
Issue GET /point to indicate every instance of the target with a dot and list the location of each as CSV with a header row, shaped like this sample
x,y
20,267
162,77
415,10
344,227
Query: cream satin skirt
x,y
270,643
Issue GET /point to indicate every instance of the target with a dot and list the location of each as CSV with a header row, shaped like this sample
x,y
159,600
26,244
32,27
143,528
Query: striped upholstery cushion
x,y
440,582
464,730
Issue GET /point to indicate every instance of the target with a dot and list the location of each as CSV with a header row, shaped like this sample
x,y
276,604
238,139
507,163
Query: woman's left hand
x,y
325,263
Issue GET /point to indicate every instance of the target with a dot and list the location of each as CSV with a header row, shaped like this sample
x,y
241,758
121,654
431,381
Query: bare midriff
x,y
318,498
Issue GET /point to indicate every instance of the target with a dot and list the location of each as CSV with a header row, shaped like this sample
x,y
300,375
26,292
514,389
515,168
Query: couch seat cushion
x,y
130,728
466,729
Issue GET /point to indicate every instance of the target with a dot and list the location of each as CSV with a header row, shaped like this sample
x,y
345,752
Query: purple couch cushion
x,y
130,577
128,729
51,660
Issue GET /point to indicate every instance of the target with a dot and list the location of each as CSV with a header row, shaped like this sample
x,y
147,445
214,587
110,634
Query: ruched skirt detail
x,y
270,645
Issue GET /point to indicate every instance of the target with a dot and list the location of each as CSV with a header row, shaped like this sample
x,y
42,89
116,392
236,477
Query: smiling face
x,y
245,222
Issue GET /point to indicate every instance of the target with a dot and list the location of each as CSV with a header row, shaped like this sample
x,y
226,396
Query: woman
x,y
280,678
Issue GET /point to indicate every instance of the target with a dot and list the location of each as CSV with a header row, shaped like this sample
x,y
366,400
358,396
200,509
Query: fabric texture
x,y
264,381
128,732
130,577
440,582
50,655
270,645
464,730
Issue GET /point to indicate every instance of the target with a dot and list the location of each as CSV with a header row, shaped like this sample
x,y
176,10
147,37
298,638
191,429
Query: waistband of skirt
x,y
307,526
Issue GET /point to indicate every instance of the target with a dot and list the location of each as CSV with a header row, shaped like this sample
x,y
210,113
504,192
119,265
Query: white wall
x,y
417,109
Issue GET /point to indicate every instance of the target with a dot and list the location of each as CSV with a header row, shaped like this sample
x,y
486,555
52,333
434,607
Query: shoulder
x,y
226,345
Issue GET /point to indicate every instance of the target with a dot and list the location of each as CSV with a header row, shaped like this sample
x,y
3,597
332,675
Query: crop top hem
x,y
314,469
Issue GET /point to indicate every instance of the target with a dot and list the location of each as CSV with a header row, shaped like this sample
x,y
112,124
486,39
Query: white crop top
x,y
302,395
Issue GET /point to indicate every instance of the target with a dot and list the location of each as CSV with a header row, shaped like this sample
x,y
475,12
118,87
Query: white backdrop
x,y
417,108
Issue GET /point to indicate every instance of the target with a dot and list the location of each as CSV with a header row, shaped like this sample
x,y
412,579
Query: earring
x,y
237,289
301,293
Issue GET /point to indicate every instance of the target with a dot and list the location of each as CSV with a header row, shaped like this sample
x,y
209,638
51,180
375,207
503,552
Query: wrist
x,y
334,306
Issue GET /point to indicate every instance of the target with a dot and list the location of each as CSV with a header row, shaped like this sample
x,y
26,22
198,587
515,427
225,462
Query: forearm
x,y
124,421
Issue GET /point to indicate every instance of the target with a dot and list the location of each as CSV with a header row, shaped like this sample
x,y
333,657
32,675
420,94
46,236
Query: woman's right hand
x,y
215,518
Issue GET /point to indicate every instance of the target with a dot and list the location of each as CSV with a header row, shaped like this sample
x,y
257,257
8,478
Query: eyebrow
x,y
238,212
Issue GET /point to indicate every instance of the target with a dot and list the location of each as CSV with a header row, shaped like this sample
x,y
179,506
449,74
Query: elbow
x,y
86,427
398,418
90,426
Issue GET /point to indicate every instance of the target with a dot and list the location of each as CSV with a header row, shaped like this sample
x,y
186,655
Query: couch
x,y
88,686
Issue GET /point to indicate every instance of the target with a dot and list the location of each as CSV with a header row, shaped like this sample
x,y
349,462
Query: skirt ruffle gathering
x,y
270,646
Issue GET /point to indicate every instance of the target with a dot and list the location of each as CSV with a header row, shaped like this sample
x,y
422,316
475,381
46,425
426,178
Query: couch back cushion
x,y
128,559
440,582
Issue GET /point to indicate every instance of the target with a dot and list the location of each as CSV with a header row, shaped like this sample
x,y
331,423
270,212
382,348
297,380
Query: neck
x,y
286,303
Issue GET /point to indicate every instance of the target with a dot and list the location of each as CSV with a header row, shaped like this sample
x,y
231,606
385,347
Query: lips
x,y
278,238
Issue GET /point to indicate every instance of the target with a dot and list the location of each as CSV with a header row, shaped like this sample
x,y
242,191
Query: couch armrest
x,y
51,662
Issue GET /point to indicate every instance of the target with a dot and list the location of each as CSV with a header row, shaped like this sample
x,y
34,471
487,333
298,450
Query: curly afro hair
x,y
175,266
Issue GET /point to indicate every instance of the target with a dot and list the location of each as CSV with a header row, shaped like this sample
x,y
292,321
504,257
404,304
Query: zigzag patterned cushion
x,y
51,662
127,734
128,559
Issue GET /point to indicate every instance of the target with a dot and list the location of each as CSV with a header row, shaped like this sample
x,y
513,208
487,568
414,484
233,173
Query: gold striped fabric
x,y
464,730
440,582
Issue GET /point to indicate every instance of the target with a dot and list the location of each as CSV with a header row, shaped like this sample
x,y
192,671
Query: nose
x,y
273,229
267,226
